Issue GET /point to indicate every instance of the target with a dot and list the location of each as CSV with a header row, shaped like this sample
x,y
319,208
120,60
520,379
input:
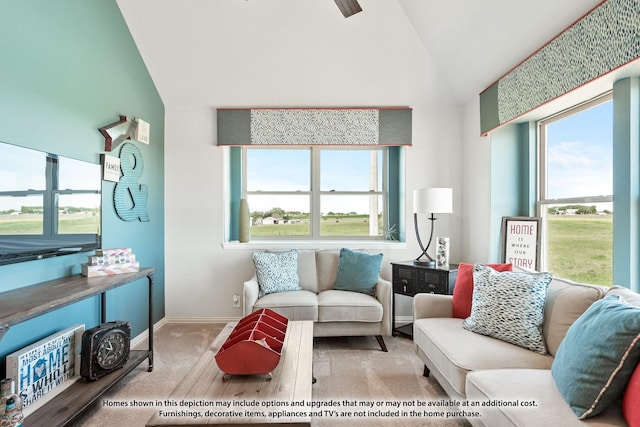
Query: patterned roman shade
x,y
314,126
603,40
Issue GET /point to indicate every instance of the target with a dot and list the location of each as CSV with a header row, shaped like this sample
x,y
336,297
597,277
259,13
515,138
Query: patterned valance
x,y
603,40
314,126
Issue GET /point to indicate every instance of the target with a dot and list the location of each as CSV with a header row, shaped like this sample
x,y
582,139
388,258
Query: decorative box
x,y
255,344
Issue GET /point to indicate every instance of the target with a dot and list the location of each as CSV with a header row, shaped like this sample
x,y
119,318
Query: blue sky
x,y
580,158
289,170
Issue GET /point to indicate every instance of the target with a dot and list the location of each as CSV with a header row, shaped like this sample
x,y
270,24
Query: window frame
x,y
315,192
542,201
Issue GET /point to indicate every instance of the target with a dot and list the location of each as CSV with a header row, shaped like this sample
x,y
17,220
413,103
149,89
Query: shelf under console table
x,y
19,305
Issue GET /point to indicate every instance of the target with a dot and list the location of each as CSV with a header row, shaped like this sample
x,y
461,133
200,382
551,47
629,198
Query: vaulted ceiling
x,y
470,42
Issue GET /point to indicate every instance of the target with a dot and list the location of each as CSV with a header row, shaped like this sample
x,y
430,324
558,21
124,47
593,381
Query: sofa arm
x,y
432,305
250,295
383,294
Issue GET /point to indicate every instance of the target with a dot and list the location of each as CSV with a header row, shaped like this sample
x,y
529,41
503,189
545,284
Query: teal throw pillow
x,y
509,306
598,355
357,271
277,272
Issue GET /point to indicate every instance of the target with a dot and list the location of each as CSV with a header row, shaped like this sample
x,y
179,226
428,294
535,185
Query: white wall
x,y
476,187
374,62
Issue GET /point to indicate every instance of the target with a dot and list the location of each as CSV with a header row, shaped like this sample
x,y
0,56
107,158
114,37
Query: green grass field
x,y
347,225
32,224
581,248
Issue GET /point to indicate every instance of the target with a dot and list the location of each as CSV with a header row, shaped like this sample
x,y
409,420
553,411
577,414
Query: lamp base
x,y
426,263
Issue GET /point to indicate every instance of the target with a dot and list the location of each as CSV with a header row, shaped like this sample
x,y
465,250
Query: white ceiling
x,y
471,43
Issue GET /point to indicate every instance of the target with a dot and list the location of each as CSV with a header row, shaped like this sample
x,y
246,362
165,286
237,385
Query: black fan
x,y
348,7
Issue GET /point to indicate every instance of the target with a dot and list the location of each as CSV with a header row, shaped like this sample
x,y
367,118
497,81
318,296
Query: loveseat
x,y
504,384
323,295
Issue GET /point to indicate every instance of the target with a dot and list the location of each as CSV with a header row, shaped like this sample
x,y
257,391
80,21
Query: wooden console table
x,y
28,302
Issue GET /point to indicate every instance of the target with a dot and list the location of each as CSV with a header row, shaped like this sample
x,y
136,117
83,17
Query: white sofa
x,y
478,368
335,312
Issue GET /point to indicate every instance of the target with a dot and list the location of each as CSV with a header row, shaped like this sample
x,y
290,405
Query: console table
x,y
28,302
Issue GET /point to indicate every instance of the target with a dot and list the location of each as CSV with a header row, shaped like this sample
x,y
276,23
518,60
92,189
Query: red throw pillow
x,y
630,407
463,291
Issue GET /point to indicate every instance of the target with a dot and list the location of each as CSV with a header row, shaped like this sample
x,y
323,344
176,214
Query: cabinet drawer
x,y
432,281
432,288
404,281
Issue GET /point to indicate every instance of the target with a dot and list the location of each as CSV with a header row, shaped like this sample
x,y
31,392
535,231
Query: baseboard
x,y
404,319
201,319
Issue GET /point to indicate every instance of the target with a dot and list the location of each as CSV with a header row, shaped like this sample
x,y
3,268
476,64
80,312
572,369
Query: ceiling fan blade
x,y
348,7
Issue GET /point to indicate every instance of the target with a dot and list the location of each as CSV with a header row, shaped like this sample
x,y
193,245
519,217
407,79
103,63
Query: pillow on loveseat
x,y
277,272
630,408
509,306
463,291
597,356
357,271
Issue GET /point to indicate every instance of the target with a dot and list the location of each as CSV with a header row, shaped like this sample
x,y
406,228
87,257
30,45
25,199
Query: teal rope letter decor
x,y
129,197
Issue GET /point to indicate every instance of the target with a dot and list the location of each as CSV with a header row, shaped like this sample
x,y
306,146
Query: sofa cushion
x,y
327,262
294,305
456,351
566,301
527,386
509,306
598,355
339,306
277,272
463,291
630,407
357,271
307,270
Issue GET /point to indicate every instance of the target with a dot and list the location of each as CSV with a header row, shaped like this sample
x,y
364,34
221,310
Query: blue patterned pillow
x,y
277,272
357,271
598,355
509,306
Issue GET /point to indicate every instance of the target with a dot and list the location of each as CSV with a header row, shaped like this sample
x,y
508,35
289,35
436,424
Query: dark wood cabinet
x,y
409,279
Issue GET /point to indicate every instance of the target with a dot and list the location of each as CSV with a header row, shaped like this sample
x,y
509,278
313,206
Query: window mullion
x,y
315,193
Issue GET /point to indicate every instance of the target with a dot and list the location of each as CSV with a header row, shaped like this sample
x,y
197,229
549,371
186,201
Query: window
x,y
576,192
318,192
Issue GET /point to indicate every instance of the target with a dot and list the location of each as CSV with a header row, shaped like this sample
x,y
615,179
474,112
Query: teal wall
x,y
69,67
626,183
513,183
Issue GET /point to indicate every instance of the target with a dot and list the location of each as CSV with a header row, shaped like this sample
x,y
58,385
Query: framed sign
x,y
521,241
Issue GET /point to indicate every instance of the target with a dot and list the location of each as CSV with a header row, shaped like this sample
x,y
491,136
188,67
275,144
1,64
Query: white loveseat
x,y
335,312
479,368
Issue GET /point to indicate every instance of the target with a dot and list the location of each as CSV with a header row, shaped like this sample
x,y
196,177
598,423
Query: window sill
x,y
316,244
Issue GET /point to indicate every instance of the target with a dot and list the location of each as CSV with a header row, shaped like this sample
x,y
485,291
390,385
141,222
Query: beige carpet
x,y
346,369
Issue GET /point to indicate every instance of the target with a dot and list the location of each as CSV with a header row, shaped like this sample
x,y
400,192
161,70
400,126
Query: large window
x,y
317,192
576,192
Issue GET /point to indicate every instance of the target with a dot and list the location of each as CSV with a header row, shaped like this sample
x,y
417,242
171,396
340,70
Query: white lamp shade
x,y
433,200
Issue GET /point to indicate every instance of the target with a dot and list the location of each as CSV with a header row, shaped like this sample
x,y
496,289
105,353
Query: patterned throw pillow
x,y
598,355
277,272
509,306
463,291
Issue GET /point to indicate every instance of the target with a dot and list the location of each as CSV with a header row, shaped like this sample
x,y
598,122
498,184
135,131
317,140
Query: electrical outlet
x,y
236,300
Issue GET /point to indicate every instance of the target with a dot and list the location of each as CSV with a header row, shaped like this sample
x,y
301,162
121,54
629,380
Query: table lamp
x,y
430,201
